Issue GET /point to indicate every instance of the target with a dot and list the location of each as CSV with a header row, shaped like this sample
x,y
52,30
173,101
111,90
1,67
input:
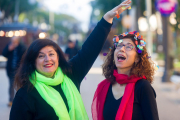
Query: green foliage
x,y
177,65
178,49
9,6
40,16
160,56
107,5
177,16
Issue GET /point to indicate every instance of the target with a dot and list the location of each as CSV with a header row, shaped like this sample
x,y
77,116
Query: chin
x,y
122,66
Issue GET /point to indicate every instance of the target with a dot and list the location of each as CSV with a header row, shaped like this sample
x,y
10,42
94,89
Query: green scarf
x,y
53,98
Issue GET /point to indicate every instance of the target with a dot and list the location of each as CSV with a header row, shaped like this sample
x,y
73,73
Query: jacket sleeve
x,y
83,61
20,110
6,51
148,102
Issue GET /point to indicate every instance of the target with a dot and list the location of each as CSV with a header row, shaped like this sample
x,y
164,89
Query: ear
x,y
137,59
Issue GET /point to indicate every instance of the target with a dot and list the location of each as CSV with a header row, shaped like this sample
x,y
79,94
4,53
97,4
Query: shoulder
x,y
22,92
144,86
26,94
103,83
142,82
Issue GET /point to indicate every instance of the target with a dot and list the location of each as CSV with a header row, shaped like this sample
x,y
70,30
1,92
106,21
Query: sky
x,y
80,9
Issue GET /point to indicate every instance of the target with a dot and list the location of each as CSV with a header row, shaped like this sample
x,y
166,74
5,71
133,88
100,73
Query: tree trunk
x,y
166,47
137,14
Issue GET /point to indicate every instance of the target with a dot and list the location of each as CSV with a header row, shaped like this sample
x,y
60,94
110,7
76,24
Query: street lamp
x,y
172,19
142,23
153,22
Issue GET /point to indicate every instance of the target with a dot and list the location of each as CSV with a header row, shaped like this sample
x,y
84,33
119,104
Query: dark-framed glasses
x,y
127,47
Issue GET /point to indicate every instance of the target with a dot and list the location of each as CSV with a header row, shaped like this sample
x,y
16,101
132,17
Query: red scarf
x,y
126,107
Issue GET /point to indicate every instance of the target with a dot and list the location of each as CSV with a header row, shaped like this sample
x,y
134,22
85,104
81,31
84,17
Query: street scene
x,y
129,46
168,98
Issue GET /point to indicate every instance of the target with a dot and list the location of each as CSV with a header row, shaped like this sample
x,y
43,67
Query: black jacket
x,y
9,55
31,106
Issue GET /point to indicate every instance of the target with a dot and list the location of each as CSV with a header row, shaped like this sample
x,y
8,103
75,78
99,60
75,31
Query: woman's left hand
x,y
116,11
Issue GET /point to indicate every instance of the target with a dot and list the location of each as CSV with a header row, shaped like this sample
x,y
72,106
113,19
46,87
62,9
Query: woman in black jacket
x,y
48,86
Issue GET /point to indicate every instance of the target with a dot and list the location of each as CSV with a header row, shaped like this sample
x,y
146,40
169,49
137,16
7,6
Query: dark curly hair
x,y
145,66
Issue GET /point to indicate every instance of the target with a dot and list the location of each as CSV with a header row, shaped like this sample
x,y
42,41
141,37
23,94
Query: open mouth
x,y
121,58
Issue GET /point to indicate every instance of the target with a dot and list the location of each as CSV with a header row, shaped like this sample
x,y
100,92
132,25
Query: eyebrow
x,y
128,43
48,51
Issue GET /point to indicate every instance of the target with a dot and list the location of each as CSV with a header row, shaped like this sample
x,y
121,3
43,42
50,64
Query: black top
x,y
9,55
144,107
31,106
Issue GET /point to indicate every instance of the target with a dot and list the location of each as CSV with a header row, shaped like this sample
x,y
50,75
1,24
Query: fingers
x,y
117,11
127,8
126,2
124,5
120,6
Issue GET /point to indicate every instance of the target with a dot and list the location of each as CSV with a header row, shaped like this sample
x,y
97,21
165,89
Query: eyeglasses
x,y
128,46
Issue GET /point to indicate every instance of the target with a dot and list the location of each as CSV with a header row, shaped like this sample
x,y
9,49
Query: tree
x,y
62,23
9,6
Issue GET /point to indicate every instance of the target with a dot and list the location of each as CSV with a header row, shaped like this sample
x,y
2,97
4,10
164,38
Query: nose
x,y
122,49
47,58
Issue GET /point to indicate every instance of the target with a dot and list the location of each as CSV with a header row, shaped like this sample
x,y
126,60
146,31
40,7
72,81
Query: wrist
x,y
108,18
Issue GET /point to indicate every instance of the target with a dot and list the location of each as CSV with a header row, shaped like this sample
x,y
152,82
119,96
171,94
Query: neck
x,y
50,76
47,75
125,71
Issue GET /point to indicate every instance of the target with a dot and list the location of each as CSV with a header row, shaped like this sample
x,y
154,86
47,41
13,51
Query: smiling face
x,y
47,61
124,58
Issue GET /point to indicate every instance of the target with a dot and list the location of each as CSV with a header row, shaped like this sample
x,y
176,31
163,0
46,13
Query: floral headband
x,y
139,41
137,38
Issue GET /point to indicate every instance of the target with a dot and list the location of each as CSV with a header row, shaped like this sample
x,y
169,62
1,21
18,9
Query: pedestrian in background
x,y
71,50
48,86
126,93
13,52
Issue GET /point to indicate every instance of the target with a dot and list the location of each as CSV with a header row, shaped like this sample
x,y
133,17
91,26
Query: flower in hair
x,y
136,42
137,37
117,39
120,41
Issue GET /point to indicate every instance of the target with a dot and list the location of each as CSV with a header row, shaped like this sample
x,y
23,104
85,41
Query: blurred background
x,y
70,22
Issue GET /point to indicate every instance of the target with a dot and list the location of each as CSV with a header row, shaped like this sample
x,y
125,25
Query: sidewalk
x,y
4,109
168,100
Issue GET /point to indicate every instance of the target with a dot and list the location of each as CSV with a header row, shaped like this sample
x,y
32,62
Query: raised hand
x,y
117,10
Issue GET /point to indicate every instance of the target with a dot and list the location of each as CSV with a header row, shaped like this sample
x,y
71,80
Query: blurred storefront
x,y
27,33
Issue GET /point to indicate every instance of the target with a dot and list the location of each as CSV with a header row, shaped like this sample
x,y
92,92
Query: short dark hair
x,y
70,41
27,64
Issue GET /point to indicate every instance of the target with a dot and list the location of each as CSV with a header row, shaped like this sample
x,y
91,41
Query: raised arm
x,y
85,58
6,51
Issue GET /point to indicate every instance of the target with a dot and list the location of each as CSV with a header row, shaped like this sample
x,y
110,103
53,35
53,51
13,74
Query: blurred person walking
x,y
13,52
48,86
71,50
